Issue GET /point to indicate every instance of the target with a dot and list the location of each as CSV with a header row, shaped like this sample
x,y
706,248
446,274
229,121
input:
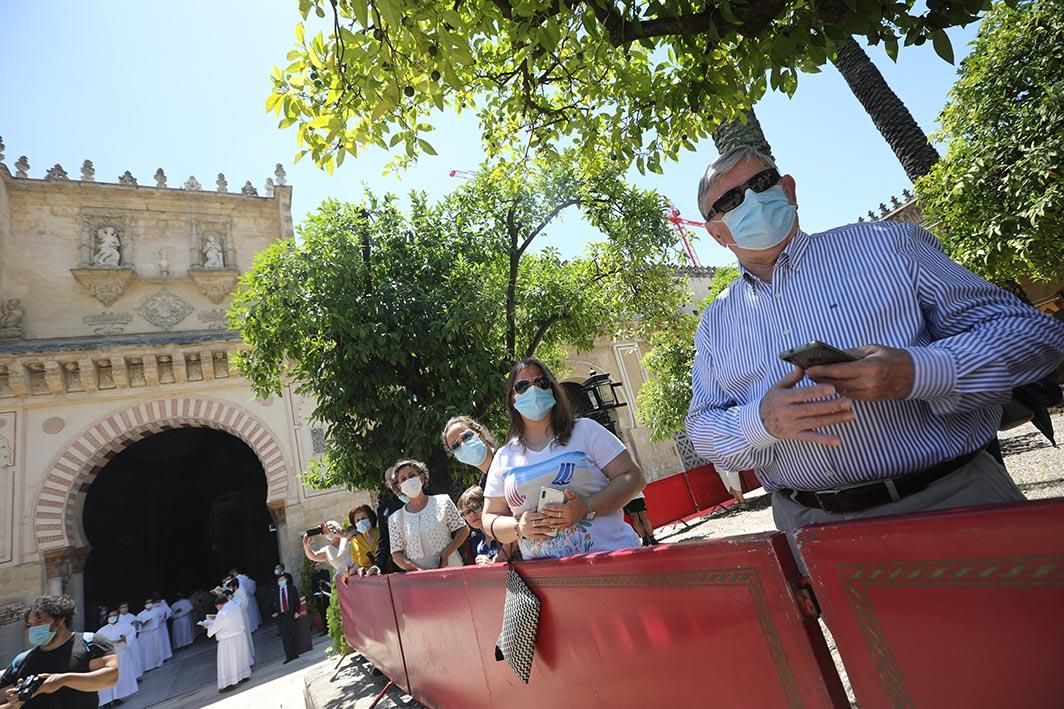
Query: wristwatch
x,y
591,513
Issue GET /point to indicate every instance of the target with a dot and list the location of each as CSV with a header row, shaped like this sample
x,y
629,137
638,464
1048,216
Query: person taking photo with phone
x,y
548,448
903,428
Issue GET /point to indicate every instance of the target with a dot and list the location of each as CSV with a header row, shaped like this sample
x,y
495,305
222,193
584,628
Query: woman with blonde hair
x,y
427,531
471,443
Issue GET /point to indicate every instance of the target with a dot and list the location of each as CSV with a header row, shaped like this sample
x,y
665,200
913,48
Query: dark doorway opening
x,y
174,512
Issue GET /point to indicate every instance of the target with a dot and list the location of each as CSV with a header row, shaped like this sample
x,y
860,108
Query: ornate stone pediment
x,y
105,283
215,283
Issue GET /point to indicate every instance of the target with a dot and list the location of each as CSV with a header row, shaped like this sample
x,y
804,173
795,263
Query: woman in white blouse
x,y
427,532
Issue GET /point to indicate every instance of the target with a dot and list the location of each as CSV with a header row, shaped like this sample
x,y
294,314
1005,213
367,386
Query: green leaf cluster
x,y
666,396
637,81
394,320
997,197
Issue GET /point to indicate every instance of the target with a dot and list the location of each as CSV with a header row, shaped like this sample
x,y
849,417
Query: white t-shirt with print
x,y
517,474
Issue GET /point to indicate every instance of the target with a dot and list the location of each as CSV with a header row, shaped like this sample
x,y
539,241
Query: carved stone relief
x,y
106,284
213,319
107,247
11,314
215,284
164,309
8,441
107,323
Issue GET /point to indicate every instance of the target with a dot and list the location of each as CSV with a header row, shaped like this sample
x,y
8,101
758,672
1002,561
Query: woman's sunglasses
x,y
467,435
766,179
522,385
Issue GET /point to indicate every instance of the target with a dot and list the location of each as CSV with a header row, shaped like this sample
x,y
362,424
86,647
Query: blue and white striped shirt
x,y
877,283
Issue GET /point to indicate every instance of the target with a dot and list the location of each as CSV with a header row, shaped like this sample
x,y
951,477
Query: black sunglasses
x,y
766,179
522,385
467,435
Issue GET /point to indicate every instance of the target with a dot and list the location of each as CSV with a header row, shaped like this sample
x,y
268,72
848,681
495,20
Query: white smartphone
x,y
550,496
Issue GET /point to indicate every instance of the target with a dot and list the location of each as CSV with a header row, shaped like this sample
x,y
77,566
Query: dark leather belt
x,y
863,497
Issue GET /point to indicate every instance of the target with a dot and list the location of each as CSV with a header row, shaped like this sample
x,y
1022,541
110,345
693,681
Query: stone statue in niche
x,y
11,314
212,253
107,247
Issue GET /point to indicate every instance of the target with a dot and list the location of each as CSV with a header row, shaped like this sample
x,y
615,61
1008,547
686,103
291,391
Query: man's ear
x,y
790,189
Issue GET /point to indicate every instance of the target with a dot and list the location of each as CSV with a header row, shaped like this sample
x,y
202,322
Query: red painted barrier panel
x,y
954,609
669,500
706,487
661,626
369,625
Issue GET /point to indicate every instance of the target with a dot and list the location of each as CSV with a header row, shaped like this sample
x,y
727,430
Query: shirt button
x,y
786,332
829,473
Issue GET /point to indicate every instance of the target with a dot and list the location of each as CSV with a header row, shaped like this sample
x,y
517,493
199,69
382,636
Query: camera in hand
x,y
315,530
29,687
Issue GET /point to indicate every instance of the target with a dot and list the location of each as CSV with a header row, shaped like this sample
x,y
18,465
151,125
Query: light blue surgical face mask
x,y
763,220
41,634
535,403
403,498
363,526
472,452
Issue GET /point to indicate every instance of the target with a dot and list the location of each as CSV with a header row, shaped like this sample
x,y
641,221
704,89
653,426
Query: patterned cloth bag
x,y
520,620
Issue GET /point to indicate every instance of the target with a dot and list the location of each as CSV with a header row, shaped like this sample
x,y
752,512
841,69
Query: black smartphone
x,y
312,532
815,353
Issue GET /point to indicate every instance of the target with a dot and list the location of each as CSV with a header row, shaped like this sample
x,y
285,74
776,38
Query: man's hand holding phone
x,y
797,414
879,374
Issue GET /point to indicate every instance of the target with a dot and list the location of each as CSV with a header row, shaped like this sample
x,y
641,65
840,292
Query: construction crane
x,y
672,214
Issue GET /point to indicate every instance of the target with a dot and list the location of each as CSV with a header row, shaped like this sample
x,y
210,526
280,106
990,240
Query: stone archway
x,y
57,508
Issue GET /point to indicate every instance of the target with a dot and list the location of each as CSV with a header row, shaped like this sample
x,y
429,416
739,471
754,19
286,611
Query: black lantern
x,y
600,392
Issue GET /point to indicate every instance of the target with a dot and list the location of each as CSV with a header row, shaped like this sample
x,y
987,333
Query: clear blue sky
x,y
182,85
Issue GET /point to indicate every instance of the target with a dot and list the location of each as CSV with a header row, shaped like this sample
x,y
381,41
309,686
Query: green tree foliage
x,y
334,618
997,197
394,321
666,396
638,80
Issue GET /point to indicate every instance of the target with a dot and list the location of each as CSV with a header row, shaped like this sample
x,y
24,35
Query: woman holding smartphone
x,y
548,448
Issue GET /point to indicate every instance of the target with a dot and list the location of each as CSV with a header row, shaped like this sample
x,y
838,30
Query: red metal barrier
x,y
956,609
624,629
669,500
369,625
707,488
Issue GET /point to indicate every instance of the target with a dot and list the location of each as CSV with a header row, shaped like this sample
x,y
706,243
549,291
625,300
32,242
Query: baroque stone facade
x,y
112,328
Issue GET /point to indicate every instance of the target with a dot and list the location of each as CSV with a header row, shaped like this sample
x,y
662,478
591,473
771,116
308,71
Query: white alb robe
x,y
182,610
127,678
148,639
164,631
242,602
234,663
134,644
248,585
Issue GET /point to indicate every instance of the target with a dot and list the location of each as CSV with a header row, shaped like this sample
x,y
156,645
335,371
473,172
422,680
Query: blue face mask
x,y
363,526
763,220
403,498
41,634
472,452
535,403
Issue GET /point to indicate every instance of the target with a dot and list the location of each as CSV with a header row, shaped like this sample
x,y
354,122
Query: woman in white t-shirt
x,y
548,447
427,531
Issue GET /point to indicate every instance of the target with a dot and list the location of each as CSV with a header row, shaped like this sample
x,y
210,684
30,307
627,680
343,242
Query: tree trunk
x,y
734,134
887,111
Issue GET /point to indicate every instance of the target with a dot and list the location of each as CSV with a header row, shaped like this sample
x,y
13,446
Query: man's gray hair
x,y
724,164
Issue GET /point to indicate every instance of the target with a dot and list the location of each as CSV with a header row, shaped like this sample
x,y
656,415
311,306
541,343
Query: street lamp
x,y
603,398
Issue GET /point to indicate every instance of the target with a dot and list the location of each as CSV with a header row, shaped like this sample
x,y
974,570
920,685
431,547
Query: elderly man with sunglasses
x,y
904,427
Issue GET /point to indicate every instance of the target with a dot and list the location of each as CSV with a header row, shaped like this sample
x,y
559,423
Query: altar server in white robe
x,y
241,599
160,604
148,638
227,627
248,585
119,634
182,612
124,616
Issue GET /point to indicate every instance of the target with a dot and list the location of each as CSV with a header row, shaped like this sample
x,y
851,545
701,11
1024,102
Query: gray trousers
x,y
980,481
